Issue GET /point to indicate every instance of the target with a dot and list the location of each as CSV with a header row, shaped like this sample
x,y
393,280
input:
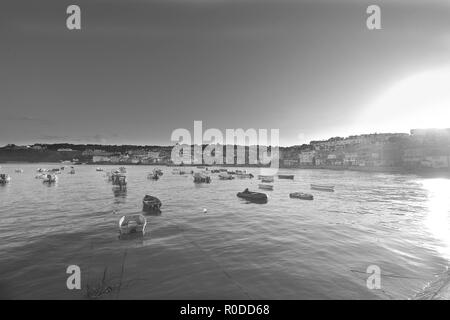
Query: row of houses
x,y
130,157
421,148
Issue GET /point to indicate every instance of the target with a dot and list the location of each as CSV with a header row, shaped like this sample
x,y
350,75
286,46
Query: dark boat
x,y
151,204
256,197
286,176
301,195
153,176
201,178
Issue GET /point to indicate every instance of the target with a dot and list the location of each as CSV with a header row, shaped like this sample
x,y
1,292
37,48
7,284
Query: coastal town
x,y
420,149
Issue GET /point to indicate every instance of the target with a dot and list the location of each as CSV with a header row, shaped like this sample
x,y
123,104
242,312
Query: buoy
x,y
204,210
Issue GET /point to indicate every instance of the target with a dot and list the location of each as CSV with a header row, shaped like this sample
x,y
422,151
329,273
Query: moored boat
x,y
153,176
201,178
244,175
322,187
119,180
135,223
301,195
251,196
151,204
18,171
286,176
265,186
99,169
158,172
267,180
4,178
260,177
225,176
50,178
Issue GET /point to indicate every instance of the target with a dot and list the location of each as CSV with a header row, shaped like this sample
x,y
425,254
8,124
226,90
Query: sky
x,y
139,69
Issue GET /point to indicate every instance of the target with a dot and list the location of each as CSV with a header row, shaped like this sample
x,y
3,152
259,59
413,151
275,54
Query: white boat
x,y
322,187
265,186
72,170
135,223
50,178
268,179
99,169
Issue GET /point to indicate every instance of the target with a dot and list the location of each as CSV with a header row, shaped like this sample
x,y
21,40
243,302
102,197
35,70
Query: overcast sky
x,y
139,69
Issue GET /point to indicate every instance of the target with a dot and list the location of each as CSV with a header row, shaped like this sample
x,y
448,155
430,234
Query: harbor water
x,y
284,249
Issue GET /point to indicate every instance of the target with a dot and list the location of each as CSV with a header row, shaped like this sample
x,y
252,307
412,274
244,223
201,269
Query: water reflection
x,y
120,194
439,208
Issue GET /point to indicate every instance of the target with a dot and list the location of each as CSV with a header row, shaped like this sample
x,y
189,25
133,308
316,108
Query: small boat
x,y
4,178
56,171
158,172
322,187
72,170
267,180
119,180
152,176
201,178
260,177
256,197
265,186
215,171
40,176
151,204
286,176
244,175
301,195
99,169
225,176
50,178
135,223
18,171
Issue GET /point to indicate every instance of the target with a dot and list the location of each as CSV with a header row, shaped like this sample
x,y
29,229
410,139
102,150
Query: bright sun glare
x,y
438,220
419,101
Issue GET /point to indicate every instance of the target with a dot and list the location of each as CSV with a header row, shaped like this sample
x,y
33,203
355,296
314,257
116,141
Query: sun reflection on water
x,y
438,220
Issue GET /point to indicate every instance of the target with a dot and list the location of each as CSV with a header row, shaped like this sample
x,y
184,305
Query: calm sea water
x,y
285,249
